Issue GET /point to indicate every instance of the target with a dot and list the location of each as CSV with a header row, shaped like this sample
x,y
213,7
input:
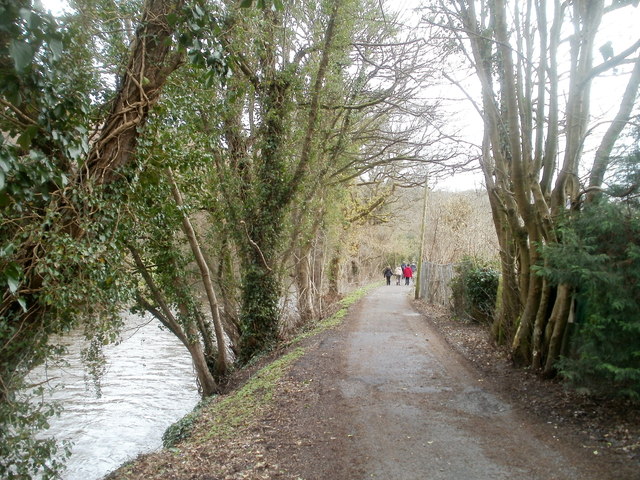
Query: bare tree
x,y
515,50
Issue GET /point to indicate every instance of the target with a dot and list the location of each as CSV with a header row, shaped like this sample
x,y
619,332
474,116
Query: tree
x,y
59,193
219,129
598,258
297,123
515,51
154,232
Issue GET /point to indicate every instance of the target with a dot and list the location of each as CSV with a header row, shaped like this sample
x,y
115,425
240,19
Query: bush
x,y
600,258
181,429
475,287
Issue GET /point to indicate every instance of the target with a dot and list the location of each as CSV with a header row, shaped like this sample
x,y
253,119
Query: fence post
x,y
422,234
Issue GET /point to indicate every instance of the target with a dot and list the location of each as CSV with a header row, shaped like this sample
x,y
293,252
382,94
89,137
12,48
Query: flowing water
x,y
147,385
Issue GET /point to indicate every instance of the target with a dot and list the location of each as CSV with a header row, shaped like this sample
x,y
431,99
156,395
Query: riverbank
x,y
227,437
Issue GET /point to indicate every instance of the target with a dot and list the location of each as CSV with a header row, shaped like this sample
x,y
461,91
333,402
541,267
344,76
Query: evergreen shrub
x,y
599,256
475,288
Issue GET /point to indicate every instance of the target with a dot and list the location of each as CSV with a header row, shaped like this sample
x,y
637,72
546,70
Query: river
x,y
148,384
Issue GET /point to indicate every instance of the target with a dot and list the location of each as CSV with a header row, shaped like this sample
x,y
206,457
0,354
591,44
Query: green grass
x,y
335,319
220,419
244,405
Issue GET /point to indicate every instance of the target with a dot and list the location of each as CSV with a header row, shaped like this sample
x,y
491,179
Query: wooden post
x,y
418,280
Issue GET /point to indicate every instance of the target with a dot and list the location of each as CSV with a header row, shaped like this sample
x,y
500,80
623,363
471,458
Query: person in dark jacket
x,y
387,274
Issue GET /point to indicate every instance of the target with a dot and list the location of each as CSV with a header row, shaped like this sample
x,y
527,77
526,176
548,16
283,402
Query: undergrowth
x,y
244,405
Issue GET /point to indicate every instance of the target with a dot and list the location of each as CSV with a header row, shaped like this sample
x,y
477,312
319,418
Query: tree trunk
x,y
304,286
318,275
221,364
556,329
334,275
189,338
542,316
260,299
520,170
601,160
260,231
228,284
305,261
587,17
521,347
510,305
151,60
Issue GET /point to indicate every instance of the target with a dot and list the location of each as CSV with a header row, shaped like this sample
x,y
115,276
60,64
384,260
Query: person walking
x,y
387,274
398,273
408,273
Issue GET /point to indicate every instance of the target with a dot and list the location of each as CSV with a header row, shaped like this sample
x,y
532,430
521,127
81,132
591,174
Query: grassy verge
x,y
335,319
222,417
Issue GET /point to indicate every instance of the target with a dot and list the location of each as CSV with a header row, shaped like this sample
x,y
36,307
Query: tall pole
x,y
422,235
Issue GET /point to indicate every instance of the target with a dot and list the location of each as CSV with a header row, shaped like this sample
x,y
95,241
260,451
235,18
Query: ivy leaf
x,y
12,274
56,48
22,54
23,304
7,250
246,4
63,180
27,136
279,5
2,179
4,199
25,13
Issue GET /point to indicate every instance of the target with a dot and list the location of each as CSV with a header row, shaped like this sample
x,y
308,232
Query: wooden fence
x,y
435,283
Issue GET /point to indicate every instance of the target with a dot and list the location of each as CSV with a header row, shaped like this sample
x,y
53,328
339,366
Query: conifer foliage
x,y
599,256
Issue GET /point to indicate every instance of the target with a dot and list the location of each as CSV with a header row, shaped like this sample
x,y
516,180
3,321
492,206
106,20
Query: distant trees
x,y
536,123
459,225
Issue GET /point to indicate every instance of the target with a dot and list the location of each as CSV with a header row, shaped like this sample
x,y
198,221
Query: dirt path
x,y
383,396
387,398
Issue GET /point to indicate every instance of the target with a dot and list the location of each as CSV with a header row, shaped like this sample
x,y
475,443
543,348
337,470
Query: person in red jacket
x,y
408,273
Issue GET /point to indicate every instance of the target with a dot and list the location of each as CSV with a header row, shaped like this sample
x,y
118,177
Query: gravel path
x,y
422,414
393,401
